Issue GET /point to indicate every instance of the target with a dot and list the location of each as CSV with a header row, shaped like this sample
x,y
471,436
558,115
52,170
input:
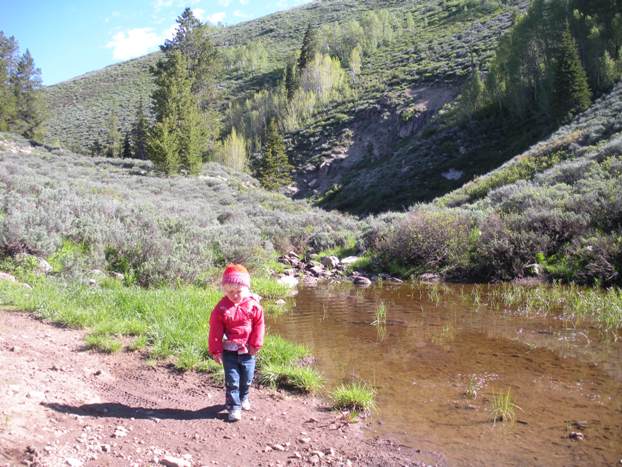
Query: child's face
x,y
235,293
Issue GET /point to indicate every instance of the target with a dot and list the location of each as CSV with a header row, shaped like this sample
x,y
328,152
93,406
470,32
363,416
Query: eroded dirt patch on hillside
x,y
63,405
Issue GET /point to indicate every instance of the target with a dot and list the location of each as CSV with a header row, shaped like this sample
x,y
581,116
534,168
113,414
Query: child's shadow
x,y
116,410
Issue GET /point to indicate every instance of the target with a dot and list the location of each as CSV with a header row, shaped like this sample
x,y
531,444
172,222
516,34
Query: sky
x,y
67,38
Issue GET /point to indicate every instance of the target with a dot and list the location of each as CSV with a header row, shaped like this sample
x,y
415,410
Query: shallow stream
x,y
437,343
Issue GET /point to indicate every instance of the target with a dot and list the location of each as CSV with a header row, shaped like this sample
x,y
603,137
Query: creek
x,y
438,344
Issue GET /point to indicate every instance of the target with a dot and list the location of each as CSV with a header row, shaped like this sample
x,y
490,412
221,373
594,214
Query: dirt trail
x,y
61,405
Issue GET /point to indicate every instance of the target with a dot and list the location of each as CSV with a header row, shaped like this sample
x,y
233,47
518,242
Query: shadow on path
x,y
116,410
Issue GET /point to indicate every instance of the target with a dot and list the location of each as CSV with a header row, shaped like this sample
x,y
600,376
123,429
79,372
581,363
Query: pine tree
x,y
176,141
310,46
274,169
291,83
113,138
140,129
202,61
28,104
126,152
8,49
571,92
163,146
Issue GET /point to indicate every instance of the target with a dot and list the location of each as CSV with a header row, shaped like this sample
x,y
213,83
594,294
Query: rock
x,y
320,454
73,462
304,440
117,275
172,461
533,269
267,449
288,281
316,270
41,265
330,262
292,254
349,260
314,459
278,447
309,281
577,435
361,281
92,282
5,276
120,432
296,455
280,302
429,277
97,272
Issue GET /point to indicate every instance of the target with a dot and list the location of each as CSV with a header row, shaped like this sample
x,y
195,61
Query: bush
x,y
430,240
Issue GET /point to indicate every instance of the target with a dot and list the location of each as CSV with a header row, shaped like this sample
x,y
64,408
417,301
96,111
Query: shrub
x,y
430,240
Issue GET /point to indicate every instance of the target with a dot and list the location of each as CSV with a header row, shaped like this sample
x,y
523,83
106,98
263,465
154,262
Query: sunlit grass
x,y
164,323
604,307
355,396
381,315
503,408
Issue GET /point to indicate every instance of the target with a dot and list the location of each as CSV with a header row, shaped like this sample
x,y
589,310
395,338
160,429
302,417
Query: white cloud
x,y
224,3
240,14
199,13
216,18
133,43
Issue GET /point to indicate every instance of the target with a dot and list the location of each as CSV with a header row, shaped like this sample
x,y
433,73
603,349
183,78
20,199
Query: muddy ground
x,y
62,405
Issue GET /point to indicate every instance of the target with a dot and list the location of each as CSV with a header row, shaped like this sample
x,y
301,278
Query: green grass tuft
x,y
503,408
302,379
355,396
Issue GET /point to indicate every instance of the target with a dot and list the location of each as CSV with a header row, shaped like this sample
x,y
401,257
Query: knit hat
x,y
236,274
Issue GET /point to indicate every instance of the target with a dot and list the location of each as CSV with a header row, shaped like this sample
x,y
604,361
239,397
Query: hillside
x,y
402,86
116,215
553,210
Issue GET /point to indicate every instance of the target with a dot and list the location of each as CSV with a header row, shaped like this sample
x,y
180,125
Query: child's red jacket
x,y
242,324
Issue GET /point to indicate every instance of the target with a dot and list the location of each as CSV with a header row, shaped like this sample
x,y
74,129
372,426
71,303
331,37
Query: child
x,y
235,335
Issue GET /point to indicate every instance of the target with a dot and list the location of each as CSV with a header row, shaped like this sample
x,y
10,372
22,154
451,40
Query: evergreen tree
x,y
8,50
27,93
126,153
140,129
176,141
274,169
571,92
192,40
290,80
310,46
163,146
113,138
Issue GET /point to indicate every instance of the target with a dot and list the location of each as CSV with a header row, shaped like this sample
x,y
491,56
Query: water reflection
x,y
434,340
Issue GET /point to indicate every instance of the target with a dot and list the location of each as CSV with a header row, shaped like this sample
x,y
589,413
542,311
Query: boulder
x,y
288,281
309,281
330,262
361,281
5,276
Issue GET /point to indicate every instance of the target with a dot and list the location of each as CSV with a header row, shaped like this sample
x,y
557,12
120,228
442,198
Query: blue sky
x,y
70,37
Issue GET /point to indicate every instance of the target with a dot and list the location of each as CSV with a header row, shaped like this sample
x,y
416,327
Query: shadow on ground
x,y
116,410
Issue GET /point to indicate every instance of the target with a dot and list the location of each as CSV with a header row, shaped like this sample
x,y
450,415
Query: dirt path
x,y
61,405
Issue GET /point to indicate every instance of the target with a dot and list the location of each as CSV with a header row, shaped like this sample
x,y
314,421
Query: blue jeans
x,y
239,372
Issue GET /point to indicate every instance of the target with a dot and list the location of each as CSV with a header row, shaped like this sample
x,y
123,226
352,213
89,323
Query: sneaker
x,y
235,415
246,404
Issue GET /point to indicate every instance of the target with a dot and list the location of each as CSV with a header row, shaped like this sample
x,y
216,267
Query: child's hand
x,y
218,358
252,350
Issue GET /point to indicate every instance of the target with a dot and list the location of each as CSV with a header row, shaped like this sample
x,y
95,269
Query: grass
x,y
503,408
166,323
354,396
381,315
573,302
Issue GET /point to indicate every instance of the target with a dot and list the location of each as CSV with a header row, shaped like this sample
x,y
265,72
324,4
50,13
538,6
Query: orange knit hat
x,y
236,274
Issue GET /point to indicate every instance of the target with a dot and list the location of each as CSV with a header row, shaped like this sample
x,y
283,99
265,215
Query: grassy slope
x,y
116,215
447,41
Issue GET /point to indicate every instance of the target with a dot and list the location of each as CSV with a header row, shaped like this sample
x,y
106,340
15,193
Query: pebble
x,y
304,440
73,462
171,461
577,435
278,447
